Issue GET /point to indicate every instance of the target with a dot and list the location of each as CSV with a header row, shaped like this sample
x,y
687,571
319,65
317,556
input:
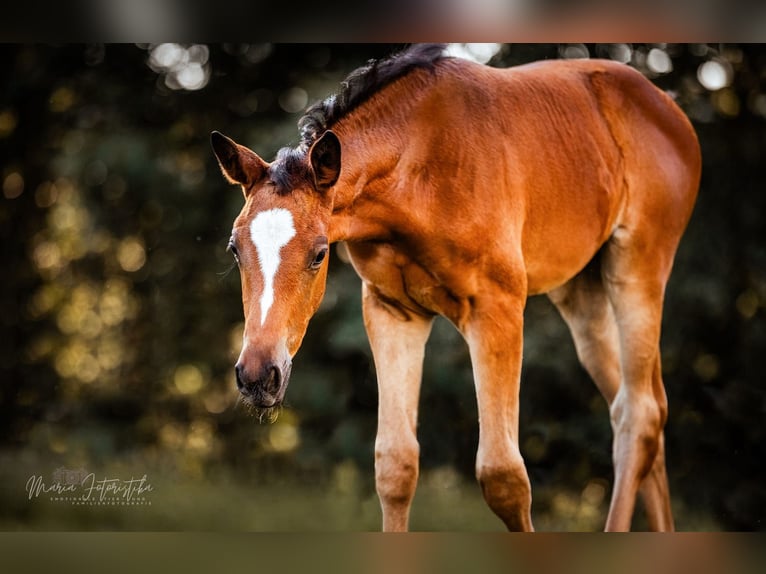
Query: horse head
x,y
280,243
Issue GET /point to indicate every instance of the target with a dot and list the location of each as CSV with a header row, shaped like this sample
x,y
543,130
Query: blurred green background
x,y
121,318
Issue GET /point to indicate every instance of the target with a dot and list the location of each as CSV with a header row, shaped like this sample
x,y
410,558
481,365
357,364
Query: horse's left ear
x,y
238,163
325,160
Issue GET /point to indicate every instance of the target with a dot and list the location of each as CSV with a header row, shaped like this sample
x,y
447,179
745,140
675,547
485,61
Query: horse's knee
x,y
396,473
506,489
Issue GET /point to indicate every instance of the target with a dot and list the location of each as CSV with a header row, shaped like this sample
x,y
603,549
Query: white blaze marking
x,y
270,231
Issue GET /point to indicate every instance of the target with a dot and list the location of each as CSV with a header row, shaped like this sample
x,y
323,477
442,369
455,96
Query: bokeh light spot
x,y
257,53
47,256
58,444
748,303
114,305
8,123
659,62
188,379
41,348
109,353
284,437
726,102
594,493
89,325
62,99
200,438
45,299
481,53
131,254
293,100
444,477
88,369
183,68
166,56
535,448
346,477
75,361
216,402
574,51
46,194
707,366
715,74
620,53
68,319
192,76
13,185
171,435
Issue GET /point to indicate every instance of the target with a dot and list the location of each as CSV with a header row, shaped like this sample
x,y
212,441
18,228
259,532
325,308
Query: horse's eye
x,y
319,257
234,252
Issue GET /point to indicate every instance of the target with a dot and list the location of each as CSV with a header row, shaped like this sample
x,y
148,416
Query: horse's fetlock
x,y
507,491
504,480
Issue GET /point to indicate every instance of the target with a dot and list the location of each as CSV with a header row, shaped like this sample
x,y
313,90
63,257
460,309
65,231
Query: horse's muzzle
x,y
267,388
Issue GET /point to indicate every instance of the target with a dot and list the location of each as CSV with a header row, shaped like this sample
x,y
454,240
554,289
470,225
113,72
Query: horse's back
x,y
587,146
643,121
651,133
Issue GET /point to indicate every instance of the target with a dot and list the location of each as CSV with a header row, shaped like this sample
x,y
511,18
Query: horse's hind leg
x,y
654,489
585,307
635,270
398,346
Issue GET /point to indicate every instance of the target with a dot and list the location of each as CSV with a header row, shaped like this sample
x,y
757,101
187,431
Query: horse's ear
x,y
325,160
238,163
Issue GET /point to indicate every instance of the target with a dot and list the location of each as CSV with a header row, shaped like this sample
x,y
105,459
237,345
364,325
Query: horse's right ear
x,y
238,163
325,160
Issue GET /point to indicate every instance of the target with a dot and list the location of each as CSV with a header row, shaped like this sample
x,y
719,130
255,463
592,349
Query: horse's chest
x,y
398,279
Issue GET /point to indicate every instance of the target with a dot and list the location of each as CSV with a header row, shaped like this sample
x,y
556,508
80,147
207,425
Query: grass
x,y
344,501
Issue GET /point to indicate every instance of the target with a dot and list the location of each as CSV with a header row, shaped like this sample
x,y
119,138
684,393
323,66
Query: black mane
x,y
289,167
361,84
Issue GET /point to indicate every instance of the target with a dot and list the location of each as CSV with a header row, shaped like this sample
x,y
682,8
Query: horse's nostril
x,y
268,382
273,380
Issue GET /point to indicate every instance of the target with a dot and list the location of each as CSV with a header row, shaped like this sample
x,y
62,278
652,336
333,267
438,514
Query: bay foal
x,y
460,190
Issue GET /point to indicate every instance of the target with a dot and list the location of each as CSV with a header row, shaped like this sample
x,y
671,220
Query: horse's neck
x,y
370,158
377,146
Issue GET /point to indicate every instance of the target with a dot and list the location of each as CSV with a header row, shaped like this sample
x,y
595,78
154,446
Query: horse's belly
x,y
565,253
565,229
545,274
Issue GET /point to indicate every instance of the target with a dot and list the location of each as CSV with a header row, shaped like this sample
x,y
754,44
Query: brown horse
x,y
460,190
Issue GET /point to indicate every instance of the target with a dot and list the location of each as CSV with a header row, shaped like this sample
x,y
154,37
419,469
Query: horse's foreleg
x,y
494,336
398,345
